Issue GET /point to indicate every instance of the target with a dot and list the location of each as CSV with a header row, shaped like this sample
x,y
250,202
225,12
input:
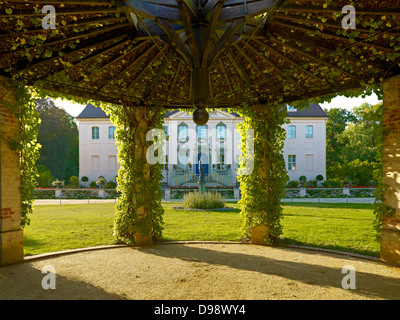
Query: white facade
x,y
309,152
97,157
304,151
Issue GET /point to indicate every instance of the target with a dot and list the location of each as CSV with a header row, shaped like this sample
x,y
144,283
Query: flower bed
x,y
177,192
354,192
44,193
82,193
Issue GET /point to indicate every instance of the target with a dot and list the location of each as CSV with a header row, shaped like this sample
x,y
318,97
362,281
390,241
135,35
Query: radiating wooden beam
x,y
255,66
155,80
288,59
176,41
272,65
210,34
305,28
154,11
253,9
224,41
191,37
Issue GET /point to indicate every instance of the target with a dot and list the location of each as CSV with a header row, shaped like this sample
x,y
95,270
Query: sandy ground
x,y
200,271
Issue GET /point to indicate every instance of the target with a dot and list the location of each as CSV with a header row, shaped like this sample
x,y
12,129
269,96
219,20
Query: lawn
x,y
346,227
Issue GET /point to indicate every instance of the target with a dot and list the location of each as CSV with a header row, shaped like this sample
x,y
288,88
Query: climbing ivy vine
x,y
263,189
22,106
139,182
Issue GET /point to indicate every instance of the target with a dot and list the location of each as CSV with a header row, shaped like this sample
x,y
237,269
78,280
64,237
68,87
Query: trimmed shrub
x,y
93,184
293,184
209,200
74,182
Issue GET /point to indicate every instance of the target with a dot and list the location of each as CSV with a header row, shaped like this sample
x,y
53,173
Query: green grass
x,y
62,227
346,227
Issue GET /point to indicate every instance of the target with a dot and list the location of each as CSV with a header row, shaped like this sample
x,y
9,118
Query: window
x,y
309,162
309,132
165,164
292,132
95,133
182,132
202,133
95,163
291,162
221,131
111,133
112,163
221,156
183,157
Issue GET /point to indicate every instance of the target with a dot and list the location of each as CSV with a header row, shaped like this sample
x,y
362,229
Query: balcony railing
x,y
181,176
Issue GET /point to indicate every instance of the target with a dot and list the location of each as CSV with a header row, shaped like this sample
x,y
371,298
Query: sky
x,y
338,102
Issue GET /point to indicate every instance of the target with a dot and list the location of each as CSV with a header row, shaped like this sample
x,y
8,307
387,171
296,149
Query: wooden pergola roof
x,y
179,53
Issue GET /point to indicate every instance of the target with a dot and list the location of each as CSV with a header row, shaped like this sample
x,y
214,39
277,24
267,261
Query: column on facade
x,y
390,232
11,237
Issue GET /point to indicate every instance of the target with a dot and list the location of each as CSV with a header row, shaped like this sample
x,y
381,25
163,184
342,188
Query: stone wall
x,y
11,238
390,233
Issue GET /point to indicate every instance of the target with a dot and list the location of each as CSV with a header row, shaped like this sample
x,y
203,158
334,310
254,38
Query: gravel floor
x,y
200,271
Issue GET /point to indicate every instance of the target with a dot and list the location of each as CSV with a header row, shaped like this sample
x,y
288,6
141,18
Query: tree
x,y
45,177
335,125
354,143
58,135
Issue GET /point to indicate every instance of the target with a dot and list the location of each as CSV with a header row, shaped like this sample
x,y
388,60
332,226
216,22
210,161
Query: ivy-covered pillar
x,y
11,237
390,231
263,187
139,211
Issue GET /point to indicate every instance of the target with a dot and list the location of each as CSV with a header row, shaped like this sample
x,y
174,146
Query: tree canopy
x,y
354,143
58,135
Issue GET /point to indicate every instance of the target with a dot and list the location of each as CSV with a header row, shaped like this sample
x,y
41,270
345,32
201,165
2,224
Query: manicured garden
x,y
346,227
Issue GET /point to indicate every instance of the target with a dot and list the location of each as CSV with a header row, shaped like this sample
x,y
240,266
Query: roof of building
x,y
314,110
92,111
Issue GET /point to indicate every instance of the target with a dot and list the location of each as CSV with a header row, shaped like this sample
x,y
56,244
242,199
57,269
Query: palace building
x,y
215,145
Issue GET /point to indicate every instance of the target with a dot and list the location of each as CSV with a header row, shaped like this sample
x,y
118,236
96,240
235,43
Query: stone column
x,y
390,232
11,238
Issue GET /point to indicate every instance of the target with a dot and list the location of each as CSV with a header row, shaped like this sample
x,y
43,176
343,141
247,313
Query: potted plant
x,y
213,166
346,183
190,165
58,184
101,182
92,184
303,180
303,191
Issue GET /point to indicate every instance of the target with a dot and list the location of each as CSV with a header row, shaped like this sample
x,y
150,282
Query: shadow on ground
x,y
310,273
24,282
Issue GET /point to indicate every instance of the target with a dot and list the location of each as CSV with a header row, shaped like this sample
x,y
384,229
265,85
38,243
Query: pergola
x,y
203,53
